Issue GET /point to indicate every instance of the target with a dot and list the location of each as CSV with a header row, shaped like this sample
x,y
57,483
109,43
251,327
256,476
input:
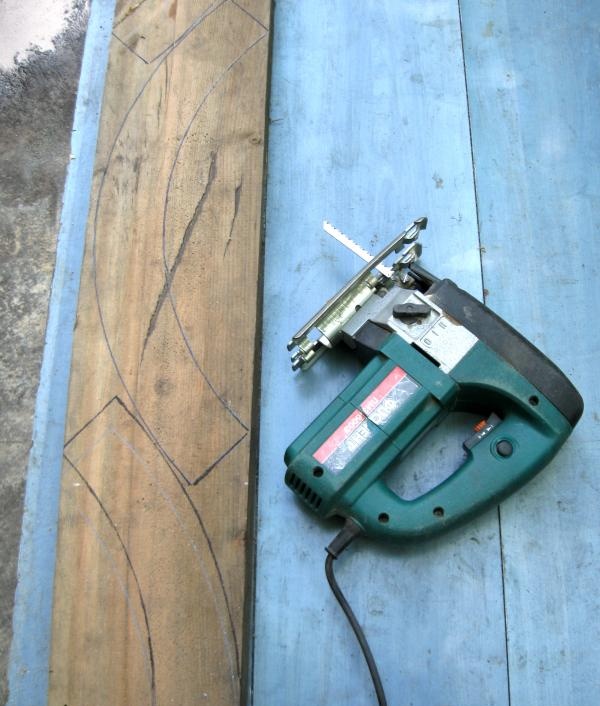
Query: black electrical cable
x,y
343,539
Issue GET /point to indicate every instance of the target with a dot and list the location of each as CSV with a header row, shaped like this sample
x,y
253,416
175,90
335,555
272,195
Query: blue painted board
x,y
533,75
32,615
369,128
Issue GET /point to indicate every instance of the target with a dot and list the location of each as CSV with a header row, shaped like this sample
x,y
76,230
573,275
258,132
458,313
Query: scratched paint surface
x,y
152,552
533,75
366,131
370,128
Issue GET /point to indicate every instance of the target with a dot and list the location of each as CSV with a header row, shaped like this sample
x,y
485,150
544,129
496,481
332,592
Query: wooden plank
x,y
152,550
369,128
534,89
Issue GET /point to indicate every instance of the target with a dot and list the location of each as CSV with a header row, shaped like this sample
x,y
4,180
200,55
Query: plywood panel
x,y
153,546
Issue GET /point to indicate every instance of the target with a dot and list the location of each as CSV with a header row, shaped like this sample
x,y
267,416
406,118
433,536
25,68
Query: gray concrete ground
x,y
37,98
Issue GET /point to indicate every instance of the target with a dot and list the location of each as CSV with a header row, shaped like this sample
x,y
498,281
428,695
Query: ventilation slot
x,y
305,491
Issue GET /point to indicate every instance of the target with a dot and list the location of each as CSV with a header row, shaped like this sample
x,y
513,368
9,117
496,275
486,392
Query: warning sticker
x,y
387,398
345,441
354,432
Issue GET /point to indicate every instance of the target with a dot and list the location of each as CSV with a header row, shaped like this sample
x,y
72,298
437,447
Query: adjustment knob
x,y
504,448
410,310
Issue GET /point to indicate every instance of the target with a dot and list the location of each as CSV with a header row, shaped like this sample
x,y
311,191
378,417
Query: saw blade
x,y
354,247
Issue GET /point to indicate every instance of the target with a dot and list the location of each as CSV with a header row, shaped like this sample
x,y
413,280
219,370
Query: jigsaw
x,y
429,349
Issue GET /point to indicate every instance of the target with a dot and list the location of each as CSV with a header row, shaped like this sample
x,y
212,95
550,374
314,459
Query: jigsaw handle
x,y
484,479
528,433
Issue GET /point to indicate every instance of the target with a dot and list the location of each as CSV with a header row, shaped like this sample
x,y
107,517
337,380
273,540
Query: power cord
x,y
349,532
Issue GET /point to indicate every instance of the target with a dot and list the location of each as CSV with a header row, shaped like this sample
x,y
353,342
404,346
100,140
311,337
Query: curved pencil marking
x,y
124,590
182,141
101,185
133,573
234,663
138,417
201,524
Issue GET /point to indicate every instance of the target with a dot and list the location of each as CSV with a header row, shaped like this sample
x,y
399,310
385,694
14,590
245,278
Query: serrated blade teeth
x,y
354,247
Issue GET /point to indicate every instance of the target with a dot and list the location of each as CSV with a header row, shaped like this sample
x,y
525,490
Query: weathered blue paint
x,y
533,75
32,617
369,128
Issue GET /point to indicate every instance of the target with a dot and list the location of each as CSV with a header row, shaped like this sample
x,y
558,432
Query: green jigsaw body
x,y
433,349
337,465
480,383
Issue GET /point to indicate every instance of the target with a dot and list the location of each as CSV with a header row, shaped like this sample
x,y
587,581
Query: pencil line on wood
x,y
175,43
94,254
124,590
184,489
247,12
89,421
132,569
151,474
196,23
182,141
97,297
89,449
133,51
213,465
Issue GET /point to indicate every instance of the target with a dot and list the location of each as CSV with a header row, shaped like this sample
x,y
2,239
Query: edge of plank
x,y
32,616
248,643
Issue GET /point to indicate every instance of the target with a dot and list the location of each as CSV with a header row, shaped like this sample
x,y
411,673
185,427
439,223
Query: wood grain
x,y
152,551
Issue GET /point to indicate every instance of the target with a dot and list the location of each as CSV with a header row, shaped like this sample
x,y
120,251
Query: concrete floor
x,y
37,98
